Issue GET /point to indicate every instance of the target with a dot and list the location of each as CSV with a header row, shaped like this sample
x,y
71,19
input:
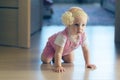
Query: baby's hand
x,y
91,66
59,69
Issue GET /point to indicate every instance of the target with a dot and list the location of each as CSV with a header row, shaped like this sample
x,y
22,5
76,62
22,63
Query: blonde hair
x,y
69,16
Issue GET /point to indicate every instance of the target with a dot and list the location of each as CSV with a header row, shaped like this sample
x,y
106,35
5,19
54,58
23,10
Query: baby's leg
x,y
45,60
68,58
48,54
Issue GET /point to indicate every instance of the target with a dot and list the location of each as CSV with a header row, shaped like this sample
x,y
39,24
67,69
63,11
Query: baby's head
x,y
73,13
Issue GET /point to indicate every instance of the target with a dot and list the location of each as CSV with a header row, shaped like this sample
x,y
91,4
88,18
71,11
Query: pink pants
x,y
48,51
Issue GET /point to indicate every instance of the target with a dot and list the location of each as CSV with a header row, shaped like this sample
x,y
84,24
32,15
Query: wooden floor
x,y
25,64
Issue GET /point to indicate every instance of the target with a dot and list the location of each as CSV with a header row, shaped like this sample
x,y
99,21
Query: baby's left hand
x,y
91,66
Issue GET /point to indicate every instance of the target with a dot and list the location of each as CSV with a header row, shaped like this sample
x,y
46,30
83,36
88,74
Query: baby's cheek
x,y
83,29
74,30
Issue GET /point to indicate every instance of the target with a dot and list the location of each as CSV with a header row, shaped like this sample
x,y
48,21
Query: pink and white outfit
x,y
62,39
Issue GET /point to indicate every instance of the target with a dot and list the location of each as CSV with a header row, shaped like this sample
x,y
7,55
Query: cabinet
x,y
15,23
8,22
18,20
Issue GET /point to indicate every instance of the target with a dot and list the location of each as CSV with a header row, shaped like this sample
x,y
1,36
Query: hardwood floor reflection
x,y
25,64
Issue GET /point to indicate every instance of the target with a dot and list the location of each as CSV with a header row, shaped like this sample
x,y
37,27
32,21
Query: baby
x,y
62,44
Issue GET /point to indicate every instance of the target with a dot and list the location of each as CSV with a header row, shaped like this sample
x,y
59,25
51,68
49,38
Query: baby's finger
x,y
62,70
93,67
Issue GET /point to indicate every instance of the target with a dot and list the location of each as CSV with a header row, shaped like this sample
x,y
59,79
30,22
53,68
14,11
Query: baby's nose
x,y
80,27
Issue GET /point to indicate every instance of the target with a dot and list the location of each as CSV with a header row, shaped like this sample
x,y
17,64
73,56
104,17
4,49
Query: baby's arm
x,y
87,57
60,43
86,54
58,56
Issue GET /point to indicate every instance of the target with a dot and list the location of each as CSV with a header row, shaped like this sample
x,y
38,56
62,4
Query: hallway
x,y
25,64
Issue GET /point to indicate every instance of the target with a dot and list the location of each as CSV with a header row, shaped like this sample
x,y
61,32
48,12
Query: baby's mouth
x,y
79,32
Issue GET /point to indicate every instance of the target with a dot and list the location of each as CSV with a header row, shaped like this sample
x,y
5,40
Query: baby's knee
x,y
45,60
68,61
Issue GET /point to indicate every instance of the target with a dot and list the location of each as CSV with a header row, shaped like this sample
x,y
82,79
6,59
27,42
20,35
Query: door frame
x,y
24,11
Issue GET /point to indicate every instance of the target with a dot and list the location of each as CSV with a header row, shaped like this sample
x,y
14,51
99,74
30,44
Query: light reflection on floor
x,y
101,43
25,64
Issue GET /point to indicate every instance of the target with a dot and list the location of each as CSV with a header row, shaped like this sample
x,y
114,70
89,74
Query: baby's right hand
x,y
59,69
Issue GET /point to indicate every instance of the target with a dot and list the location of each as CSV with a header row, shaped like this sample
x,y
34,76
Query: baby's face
x,y
79,25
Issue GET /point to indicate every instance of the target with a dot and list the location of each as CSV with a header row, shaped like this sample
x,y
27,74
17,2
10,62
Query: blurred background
x,y
101,12
20,19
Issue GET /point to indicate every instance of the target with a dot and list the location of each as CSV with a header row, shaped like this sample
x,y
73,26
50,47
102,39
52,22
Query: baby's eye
x,y
83,24
77,25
